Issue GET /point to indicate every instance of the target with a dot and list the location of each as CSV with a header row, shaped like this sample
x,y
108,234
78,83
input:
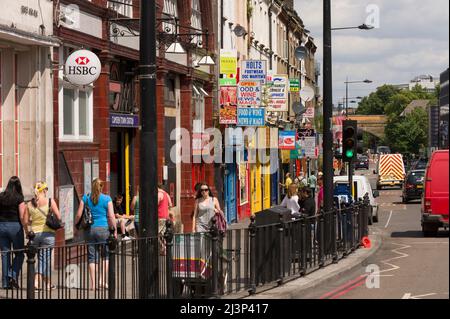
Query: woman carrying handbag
x,y
38,214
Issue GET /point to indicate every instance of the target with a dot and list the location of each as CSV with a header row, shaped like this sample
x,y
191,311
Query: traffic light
x,y
349,140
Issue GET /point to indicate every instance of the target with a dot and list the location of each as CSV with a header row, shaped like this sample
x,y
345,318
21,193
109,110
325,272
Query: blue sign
x,y
251,116
123,120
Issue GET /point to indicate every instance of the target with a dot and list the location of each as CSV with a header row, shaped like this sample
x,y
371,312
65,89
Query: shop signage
x,y
308,145
309,113
251,116
303,132
227,82
228,105
82,67
286,140
67,210
228,61
278,94
294,85
249,93
123,120
254,70
29,11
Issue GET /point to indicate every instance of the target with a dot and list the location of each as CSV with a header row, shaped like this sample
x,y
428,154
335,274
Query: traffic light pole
x,y
327,109
350,178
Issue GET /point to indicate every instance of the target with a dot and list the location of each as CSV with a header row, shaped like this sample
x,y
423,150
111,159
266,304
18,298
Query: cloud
x,y
412,40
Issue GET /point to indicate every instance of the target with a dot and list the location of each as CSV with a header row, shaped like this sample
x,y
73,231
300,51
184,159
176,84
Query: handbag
x,y
86,220
50,218
221,223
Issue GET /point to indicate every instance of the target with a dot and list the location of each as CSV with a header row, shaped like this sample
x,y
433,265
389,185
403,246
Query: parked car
x,y
435,195
413,186
362,162
421,163
362,188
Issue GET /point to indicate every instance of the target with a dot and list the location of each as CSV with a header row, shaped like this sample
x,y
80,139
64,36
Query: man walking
x,y
312,182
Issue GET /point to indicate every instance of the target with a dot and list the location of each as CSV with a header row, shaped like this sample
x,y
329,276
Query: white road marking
x,y
430,243
402,255
390,215
408,296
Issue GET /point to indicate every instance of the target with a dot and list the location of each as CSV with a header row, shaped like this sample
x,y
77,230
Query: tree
x,y
376,102
408,134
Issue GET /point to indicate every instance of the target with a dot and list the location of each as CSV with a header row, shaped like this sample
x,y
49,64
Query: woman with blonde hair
x,y
102,210
36,216
290,201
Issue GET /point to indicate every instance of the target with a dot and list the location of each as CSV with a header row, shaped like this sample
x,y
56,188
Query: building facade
x,y
26,114
98,130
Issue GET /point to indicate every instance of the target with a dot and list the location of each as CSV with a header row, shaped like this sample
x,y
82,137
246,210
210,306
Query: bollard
x,y
31,255
252,233
112,245
321,239
168,236
281,250
214,232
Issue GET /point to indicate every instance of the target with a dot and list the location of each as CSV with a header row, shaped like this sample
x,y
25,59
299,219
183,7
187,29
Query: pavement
x,y
296,289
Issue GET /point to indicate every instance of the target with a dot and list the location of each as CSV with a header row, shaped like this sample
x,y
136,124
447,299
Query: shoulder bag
x,y
51,220
86,220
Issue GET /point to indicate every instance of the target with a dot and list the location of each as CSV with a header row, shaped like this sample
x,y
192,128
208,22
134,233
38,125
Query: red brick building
x,y
96,133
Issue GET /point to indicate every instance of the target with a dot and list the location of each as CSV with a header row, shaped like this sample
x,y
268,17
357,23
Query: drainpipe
x,y
221,24
270,35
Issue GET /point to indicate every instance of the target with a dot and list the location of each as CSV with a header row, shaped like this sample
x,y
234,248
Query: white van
x,y
362,187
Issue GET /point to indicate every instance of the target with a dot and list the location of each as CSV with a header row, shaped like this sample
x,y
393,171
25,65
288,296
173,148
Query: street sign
x,y
228,61
278,94
249,93
294,85
254,70
306,133
286,140
227,82
251,116
310,112
308,145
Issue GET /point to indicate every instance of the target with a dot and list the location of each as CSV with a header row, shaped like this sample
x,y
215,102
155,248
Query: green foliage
x,y
403,134
408,134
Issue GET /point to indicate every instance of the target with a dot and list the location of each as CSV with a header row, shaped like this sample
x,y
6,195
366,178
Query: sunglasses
x,y
204,189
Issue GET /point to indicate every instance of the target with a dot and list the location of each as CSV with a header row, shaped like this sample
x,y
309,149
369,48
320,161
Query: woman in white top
x,y
291,200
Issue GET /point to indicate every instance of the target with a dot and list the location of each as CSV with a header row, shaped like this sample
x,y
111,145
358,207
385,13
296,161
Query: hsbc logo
x,y
82,67
82,61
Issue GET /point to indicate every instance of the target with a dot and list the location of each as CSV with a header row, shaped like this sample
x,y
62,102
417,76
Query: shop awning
x,y
20,37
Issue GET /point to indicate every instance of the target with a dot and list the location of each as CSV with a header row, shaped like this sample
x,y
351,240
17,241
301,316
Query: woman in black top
x,y
12,222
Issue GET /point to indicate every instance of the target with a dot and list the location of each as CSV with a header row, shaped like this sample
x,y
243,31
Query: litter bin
x,y
269,251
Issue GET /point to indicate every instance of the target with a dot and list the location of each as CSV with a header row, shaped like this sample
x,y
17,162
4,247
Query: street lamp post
x,y
148,256
347,82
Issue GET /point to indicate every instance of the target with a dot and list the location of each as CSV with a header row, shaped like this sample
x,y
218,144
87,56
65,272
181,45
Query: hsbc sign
x,y
82,67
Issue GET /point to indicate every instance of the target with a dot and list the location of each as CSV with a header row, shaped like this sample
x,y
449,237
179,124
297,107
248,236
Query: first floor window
x,y
76,116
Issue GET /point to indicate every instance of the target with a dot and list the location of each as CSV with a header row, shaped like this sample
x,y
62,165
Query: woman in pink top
x,y
164,203
320,194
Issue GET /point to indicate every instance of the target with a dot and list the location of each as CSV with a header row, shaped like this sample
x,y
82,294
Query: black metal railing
x,y
197,265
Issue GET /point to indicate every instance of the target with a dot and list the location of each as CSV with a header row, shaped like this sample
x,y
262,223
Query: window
x,y
169,92
196,20
199,109
76,114
171,10
122,7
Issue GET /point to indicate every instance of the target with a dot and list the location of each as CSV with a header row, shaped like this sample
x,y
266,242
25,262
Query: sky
x,y
412,39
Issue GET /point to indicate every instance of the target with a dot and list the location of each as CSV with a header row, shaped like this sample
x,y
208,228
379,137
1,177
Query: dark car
x,y
413,186
420,164
362,162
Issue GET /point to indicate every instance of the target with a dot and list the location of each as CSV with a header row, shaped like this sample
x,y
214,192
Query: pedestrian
x,y
206,206
287,182
320,193
312,183
136,211
122,219
291,200
36,216
302,180
12,223
307,202
164,204
102,210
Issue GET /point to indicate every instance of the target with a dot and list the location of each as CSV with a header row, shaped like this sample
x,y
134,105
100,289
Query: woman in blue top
x,y
102,210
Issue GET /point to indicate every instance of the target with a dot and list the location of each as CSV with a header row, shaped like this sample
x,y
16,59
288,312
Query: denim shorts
x,y
97,239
